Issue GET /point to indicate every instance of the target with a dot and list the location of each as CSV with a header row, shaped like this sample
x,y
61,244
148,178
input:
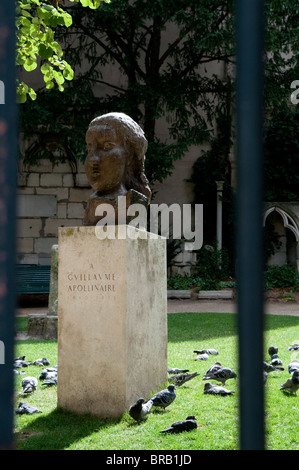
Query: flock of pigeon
x,y
176,377
141,408
30,383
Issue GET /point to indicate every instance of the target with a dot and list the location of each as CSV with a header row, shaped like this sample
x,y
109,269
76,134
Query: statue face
x,y
106,159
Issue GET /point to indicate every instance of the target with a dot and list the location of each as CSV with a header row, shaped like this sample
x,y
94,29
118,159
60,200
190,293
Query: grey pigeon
x,y
292,384
50,373
20,362
18,372
202,357
180,379
213,352
176,370
165,397
294,346
214,367
20,358
26,409
270,367
221,375
293,365
216,390
50,382
41,362
180,426
140,409
272,350
29,384
275,361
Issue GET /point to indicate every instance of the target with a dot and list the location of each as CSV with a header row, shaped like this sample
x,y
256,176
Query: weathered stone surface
x,y
112,320
36,323
53,294
51,179
44,245
36,205
51,327
29,227
42,325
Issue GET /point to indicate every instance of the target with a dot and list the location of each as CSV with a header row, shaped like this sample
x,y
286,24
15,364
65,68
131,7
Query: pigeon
x,y
213,352
25,408
18,372
20,362
216,390
29,384
293,365
50,373
41,362
176,370
50,382
214,367
275,361
292,384
21,358
271,367
202,357
180,426
180,379
165,397
221,375
272,350
140,409
293,347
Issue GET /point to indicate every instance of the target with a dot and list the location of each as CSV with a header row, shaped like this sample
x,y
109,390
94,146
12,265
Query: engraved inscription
x,y
91,282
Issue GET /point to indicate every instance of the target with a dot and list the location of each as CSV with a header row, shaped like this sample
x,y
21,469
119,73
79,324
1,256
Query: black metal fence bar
x,y
250,250
8,179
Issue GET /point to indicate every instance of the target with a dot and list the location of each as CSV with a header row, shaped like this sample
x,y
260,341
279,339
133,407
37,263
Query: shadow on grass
x,y
191,326
59,429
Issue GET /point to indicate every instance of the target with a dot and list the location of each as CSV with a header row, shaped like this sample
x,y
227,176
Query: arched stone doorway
x,y
285,224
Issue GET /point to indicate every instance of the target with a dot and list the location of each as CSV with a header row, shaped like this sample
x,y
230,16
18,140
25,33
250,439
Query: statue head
x,y
116,152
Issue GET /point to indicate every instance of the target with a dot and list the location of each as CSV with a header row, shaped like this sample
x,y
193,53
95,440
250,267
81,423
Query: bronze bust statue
x,y
114,164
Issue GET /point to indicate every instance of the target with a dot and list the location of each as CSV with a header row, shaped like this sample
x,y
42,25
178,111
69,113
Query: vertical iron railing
x,y
249,235
8,165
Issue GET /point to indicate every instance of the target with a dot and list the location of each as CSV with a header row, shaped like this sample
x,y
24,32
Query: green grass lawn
x,y
217,417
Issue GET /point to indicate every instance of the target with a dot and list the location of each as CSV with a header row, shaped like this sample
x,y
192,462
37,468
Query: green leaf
x,y
21,97
45,51
30,65
32,94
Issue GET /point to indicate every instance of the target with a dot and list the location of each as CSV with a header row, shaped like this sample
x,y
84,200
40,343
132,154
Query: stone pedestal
x,y
42,324
112,320
53,294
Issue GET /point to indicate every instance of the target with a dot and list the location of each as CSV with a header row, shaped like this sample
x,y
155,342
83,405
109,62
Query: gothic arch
x,y
288,220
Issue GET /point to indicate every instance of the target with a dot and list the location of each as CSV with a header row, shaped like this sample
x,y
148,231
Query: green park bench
x,y
32,279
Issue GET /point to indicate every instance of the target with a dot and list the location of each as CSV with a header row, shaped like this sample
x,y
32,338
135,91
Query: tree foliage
x,y
170,60
35,31
162,50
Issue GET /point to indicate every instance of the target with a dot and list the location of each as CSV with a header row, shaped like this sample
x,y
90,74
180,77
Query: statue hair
x,y
136,144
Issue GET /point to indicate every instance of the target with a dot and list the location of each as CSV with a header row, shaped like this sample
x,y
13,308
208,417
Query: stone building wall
x,y
49,196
